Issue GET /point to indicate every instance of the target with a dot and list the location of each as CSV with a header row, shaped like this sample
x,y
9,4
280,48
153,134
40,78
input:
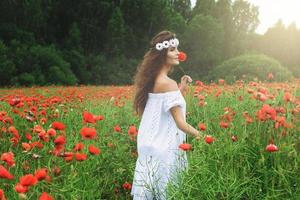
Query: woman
x,y
163,125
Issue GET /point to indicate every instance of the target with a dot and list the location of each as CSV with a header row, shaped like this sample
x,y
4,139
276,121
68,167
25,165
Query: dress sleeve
x,y
171,101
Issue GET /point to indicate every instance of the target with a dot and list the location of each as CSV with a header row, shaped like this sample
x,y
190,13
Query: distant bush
x,y
52,63
250,67
35,65
295,69
78,65
120,71
26,79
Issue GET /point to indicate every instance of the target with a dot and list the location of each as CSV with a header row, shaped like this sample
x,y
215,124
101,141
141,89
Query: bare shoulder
x,y
164,84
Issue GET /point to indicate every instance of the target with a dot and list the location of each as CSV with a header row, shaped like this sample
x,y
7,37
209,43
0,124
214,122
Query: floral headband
x,y
166,44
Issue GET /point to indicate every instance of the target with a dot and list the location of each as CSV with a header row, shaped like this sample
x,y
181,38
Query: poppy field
x,y
80,142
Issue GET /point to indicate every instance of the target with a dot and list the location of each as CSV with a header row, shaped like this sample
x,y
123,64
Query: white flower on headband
x,y
166,44
159,46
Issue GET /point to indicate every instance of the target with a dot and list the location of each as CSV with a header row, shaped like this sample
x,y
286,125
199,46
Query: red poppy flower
x,y
80,156
43,120
8,158
57,150
271,148
224,124
2,197
7,120
221,81
51,132
88,117
287,97
28,180
68,157
78,146
208,139
48,179
58,126
127,186
28,136
14,101
100,117
26,146
20,188
218,93
117,128
185,146
45,196
60,140
41,174
234,138
202,126
13,130
94,150
181,56
4,173
88,133
132,131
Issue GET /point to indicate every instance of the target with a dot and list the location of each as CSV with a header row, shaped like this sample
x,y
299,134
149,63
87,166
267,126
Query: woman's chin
x,y
176,62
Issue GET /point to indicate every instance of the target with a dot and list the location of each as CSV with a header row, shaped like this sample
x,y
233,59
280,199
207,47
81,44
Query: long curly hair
x,y
148,70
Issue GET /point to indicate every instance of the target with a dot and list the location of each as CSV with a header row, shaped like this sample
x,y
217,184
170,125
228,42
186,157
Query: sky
x,y
270,11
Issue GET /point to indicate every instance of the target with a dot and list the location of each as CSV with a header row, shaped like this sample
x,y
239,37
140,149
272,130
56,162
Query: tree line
x,y
71,42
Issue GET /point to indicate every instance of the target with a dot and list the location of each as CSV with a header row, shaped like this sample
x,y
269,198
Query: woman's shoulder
x,y
164,84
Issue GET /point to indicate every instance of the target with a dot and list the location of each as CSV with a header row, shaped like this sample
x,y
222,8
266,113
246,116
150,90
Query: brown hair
x,y
148,70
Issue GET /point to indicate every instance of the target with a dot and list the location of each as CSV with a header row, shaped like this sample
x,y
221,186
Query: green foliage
x,y
115,70
51,62
203,40
26,79
7,66
9,31
116,30
250,67
283,44
204,7
183,7
210,33
74,39
38,64
77,65
176,24
245,21
97,68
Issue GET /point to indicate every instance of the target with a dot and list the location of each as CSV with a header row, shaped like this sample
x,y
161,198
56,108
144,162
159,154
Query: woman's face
x,y
172,56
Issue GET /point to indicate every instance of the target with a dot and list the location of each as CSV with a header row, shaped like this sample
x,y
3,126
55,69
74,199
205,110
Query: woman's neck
x,y
165,70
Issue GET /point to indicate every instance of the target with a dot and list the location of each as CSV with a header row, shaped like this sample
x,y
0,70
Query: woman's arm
x,y
182,124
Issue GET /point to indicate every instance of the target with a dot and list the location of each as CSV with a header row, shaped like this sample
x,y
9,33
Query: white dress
x,y
159,157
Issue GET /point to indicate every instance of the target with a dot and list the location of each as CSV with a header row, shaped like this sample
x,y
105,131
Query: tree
x,y
7,67
183,7
204,7
245,21
223,12
116,30
203,41
283,44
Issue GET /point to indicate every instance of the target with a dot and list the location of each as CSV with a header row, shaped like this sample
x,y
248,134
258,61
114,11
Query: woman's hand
x,y
197,136
184,82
